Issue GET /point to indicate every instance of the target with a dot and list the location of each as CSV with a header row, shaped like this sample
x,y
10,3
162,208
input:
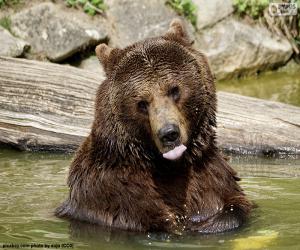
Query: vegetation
x,y
5,22
186,8
91,7
288,26
253,8
8,3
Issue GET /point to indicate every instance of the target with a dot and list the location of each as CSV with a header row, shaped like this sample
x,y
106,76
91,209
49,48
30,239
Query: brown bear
x,y
151,162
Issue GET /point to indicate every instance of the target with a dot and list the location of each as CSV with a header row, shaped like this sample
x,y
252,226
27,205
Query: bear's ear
x,y
177,32
107,56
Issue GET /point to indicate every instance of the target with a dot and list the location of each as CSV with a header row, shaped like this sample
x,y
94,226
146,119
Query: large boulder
x,y
55,32
212,11
10,45
133,20
236,48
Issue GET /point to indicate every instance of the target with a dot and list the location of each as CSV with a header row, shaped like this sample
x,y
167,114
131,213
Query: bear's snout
x,y
167,125
169,135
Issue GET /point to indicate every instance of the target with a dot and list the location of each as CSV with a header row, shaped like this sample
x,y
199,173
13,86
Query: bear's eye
x,y
143,106
174,93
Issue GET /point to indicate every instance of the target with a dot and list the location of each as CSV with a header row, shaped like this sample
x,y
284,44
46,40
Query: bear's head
x,y
158,99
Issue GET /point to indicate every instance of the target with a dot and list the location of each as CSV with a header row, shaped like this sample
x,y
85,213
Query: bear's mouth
x,y
175,153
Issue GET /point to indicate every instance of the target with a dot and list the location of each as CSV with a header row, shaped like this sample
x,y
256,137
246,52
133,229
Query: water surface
x,y
32,185
276,86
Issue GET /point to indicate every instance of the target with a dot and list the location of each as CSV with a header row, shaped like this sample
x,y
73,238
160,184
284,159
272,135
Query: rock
x,y
54,32
46,106
92,64
11,46
235,48
291,67
133,20
210,12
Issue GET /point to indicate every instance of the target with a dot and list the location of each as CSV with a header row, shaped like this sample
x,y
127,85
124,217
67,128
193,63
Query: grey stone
x,y
212,11
291,67
133,20
10,45
53,32
236,48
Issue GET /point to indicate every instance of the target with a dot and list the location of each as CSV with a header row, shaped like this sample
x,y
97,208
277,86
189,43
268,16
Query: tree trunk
x,y
49,107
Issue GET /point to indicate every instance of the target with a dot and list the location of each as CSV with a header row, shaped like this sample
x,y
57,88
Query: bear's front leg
x,y
144,215
226,220
232,216
164,221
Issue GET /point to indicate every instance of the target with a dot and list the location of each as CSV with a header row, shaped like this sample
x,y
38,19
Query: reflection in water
x,y
32,185
276,86
287,166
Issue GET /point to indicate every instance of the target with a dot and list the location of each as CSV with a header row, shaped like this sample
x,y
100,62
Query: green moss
x,y
91,7
186,8
5,22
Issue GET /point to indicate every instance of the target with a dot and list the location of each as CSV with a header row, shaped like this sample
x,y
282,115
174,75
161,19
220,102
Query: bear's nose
x,y
169,134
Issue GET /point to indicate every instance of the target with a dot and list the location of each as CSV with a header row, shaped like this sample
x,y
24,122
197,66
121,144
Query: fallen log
x,y
49,107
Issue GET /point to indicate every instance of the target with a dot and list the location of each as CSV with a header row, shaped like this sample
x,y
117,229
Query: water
x,y
275,86
32,185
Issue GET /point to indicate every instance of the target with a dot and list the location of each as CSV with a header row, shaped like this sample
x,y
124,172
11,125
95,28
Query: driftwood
x,y
49,107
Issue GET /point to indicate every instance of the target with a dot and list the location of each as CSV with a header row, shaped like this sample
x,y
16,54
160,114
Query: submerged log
x,y
49,107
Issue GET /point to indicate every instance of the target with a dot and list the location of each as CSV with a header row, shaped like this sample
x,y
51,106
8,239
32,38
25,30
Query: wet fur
x,y
118,177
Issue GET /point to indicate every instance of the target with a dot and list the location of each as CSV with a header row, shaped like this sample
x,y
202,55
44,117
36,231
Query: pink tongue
x,y
175,153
